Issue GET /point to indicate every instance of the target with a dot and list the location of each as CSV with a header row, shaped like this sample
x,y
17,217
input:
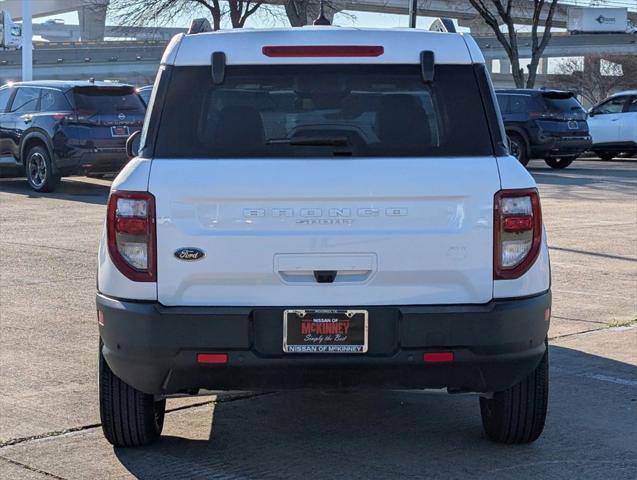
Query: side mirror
x,y
591,113
132,144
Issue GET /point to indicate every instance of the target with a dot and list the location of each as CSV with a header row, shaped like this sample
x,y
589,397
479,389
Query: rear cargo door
x,y
319,186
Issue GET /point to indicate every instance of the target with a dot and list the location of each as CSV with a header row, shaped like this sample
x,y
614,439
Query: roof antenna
x,y
322,19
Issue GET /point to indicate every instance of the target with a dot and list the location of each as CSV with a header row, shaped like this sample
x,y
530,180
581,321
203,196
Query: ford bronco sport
x,y
323,208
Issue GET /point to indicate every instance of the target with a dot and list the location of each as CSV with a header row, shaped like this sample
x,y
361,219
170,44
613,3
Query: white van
x,y
323,207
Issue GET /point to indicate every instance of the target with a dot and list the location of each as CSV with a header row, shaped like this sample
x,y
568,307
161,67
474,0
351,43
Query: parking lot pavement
x,y
48,415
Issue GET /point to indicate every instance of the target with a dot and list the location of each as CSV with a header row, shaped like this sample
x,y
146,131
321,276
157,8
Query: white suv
x,y
322,208
613,125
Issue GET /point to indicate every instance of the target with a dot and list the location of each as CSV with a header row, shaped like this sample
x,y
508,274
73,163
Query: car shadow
x,y
590,433
78,189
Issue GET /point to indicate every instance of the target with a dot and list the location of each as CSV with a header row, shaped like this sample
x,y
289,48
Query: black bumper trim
x,y
153,347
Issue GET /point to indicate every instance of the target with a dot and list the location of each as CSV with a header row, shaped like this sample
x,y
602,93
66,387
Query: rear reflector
x,y
212,358
436,357
515,223
324,51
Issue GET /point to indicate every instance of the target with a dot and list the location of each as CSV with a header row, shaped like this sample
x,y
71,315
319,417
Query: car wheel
x,y
562,162
130,418
518,148
606,156
517,415
39,170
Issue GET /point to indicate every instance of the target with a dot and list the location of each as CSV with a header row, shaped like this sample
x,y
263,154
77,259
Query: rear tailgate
x,y
396,230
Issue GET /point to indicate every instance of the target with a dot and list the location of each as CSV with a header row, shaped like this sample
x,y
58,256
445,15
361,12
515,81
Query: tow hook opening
x,y
325,276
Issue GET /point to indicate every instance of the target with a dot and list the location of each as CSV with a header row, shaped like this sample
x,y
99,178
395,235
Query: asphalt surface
x,y
49,423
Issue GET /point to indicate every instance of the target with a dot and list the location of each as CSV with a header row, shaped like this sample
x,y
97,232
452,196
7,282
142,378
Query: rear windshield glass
x,y
561,102
323,110
107,100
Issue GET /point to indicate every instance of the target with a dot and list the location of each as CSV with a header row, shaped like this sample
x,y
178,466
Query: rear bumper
x,y
154,348
615,147
547,146
76,156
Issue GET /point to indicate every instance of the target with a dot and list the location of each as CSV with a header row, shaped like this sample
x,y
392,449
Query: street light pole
x,y
27,41
413,13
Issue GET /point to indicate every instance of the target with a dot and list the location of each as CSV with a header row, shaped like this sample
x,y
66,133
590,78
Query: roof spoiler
x,y
199,25
443,24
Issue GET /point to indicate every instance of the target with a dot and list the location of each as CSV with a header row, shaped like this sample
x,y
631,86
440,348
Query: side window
x,y
5,94
26,100
518,104
53,100
632,105
503,101
614,105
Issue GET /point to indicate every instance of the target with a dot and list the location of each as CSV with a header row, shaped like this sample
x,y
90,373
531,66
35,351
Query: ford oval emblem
x,y
190,254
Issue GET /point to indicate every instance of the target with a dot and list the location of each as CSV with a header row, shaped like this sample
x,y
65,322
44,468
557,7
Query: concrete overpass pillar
x,y
505,65
92,22
543,66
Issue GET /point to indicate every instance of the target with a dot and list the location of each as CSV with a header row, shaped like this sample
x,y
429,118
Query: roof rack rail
x,y
199,25
443,24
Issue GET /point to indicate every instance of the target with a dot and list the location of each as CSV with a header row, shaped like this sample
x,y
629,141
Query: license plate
x,y
120,131
325,331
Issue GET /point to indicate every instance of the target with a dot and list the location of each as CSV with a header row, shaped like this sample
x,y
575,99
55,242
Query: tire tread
x,y
128,416
518,414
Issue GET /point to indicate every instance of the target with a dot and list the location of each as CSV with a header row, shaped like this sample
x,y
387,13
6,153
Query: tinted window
x,y
144,93
632,105
25,100
519,103
323,110
561,103
503,102
614,105
53,100
5,93
107,100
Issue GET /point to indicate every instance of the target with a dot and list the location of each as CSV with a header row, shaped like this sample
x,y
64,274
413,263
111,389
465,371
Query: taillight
x,y
131,234
64,116
517,232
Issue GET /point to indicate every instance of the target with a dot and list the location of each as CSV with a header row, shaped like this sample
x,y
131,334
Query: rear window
x,y
107,100
323,110
558,102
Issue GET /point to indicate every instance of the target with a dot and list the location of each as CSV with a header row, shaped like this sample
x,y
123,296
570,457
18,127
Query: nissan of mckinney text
x,y
323,208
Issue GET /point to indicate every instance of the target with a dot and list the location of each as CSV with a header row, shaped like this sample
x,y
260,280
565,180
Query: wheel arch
x,y
32,139
521,133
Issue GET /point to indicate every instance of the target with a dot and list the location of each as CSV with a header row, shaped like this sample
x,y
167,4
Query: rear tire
x,y
518,414
39,170
606,156
559,162
518,148
130,418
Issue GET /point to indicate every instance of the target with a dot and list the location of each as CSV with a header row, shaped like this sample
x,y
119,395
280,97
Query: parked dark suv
x,y
57,128
548,124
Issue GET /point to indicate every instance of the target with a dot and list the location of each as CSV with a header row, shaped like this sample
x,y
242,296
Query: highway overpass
x,y
137,61
92,13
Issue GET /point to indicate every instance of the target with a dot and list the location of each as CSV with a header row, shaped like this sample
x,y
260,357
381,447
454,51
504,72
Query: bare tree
x,y
302,12
596,77
143,12
505,12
